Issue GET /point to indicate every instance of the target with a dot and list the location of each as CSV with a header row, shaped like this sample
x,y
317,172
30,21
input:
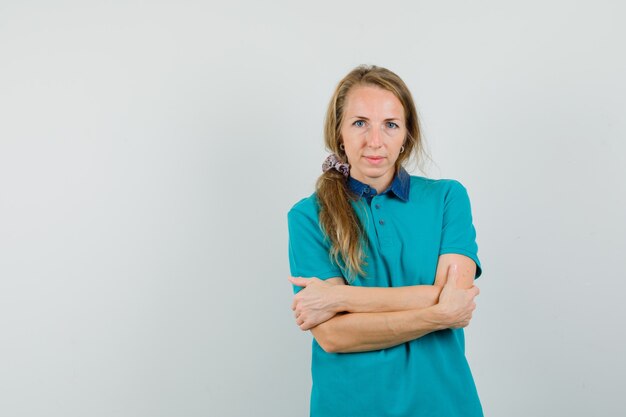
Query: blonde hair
x,y
337,218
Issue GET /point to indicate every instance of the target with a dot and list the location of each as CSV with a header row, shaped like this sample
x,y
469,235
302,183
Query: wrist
x,y
438,316
339,299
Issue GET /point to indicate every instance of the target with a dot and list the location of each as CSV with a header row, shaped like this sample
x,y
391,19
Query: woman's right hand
x,y
315,303
456,305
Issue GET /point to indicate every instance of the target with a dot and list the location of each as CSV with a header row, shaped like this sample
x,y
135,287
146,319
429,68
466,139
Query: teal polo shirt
x,y
408,226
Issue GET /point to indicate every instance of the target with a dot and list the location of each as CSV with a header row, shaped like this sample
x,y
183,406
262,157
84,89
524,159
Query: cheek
x,y
351,149
351,152
402,138
351,141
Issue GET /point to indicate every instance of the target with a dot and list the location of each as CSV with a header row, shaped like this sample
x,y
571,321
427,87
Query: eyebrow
x,y
367,118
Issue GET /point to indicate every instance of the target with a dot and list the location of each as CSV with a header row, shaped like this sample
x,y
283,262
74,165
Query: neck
x,y
380,184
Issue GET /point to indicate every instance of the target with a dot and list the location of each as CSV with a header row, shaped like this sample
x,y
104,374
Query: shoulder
x,y
303,222
308,207
422,187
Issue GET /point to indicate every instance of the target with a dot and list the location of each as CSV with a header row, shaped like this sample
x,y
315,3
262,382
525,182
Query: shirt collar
x,y
400,186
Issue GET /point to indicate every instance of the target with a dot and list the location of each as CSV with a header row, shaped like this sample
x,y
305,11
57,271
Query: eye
x,y
359,123
392,125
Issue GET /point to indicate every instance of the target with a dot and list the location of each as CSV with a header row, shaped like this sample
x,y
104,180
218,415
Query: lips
x,y
374,159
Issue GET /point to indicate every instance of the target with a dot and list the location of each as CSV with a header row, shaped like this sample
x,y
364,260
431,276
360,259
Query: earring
x,y
341,146
402,149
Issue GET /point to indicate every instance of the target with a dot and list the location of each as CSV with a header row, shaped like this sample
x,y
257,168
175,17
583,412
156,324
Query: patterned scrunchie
x,y
333,162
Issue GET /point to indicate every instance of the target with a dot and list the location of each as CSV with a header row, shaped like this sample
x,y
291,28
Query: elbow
x,y
328,347
324,337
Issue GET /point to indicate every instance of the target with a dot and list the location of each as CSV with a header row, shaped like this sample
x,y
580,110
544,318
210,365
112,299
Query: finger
x,y
296,300
475,291
298,281
453,275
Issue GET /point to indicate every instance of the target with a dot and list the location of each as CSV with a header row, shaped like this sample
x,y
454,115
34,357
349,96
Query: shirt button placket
x,y
385,234
380,221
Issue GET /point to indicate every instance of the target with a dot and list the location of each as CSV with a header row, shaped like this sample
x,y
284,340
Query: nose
x,y
374,139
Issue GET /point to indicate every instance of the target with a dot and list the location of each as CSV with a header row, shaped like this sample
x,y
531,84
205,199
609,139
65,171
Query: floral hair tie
x,y
333,162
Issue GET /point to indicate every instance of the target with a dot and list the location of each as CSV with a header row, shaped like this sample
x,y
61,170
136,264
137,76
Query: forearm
x,y
320,301
359,332
355,299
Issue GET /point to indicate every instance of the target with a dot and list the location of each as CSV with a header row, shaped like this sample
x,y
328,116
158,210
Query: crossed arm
x,y
347,318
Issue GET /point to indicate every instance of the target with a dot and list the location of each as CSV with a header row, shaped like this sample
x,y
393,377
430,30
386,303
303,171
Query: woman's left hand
x,y
316,302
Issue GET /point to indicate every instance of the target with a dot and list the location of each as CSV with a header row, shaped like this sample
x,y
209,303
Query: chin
x,y
376,172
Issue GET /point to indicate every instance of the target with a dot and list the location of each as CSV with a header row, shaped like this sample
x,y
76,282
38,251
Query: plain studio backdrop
x,y
149,153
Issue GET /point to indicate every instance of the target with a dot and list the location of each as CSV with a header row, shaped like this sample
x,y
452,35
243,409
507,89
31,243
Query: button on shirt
x,y
407,227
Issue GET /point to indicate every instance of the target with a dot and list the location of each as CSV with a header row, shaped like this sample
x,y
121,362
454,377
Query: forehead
x,y
372,101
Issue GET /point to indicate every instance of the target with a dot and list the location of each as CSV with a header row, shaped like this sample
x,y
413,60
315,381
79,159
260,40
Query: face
x,y
373,131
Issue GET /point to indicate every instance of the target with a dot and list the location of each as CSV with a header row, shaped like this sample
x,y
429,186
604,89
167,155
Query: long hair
x,y
337,218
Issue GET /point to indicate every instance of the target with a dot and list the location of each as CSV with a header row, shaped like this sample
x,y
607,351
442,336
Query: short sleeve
x,y
308,248
458,234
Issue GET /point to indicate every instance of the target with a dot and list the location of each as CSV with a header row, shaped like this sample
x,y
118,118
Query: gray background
x,y
149,152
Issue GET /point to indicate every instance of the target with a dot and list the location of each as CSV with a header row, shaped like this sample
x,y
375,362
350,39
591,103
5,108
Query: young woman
x,y
383,265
